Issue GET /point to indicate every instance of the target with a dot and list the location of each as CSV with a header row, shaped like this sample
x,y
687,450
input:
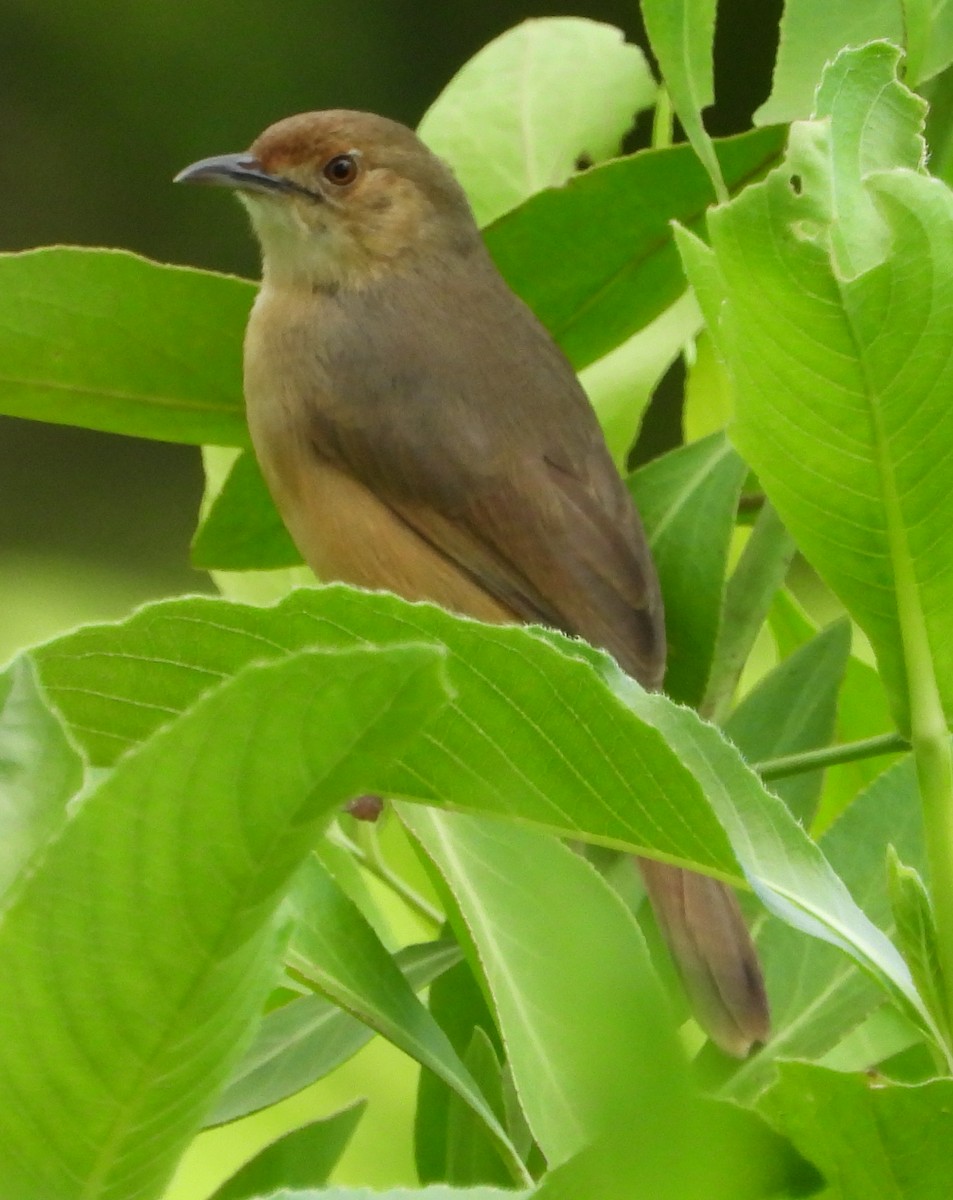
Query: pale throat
x,y
300,256
330,251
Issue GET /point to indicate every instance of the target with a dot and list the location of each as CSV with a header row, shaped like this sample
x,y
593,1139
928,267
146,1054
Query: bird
x,y
421,432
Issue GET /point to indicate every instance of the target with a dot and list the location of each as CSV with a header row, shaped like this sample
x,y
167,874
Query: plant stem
x,y
662,121
758,575
931,750
831,756
929,735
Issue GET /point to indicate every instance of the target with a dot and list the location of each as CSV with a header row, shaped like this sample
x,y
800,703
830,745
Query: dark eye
x,y
342,169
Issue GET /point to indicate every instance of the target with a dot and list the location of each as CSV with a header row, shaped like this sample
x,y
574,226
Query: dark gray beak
x,y
241,171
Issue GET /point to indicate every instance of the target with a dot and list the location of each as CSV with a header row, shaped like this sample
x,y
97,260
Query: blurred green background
x,y
100,104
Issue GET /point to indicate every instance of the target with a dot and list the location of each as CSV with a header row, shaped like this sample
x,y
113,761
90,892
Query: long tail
x,y
713,951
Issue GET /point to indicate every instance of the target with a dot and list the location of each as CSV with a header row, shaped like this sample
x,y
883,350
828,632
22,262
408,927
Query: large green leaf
x,y
869,1138
136,957
610,231
108,340
523,111
688,500
580,1041
518,696
335,949
39,771
842,378
633,770
307,1038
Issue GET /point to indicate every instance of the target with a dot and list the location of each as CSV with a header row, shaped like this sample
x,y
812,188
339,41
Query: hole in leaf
x,y
797,185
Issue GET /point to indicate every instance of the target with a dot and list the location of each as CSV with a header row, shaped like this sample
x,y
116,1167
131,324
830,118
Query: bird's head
x,y
337,198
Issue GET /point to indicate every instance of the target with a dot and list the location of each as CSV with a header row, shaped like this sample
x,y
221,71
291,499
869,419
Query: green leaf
x,y
868,1138
107,340
242,530
250,587
916,931
790,624
793,709
335,949
610,231
709,406
39,772
885,1033
344,859
303,1158
116,684
841,383
749,593
789,874
305,1040
818,996
621,384
875,124
688,500
633,770
862,712
694,1149
522,112
581,1042
122,1011
428,1193
458,1006
471,1156
928,25
813,32
682,33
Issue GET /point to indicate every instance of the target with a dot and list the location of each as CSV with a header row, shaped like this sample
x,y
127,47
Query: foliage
x,y
184,936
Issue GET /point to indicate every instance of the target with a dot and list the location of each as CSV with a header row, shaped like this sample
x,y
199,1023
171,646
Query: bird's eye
x,y
342,169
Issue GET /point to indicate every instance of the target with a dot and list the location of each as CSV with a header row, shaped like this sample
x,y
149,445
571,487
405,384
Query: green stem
x,y
830,756
663,121
931,751
760,571
929,735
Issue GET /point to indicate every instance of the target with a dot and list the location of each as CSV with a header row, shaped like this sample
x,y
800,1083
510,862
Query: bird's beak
x,y
241,171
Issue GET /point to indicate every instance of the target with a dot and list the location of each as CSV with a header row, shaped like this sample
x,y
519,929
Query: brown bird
x,y
421,432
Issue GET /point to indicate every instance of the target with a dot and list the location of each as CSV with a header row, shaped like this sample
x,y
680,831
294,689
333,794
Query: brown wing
x,y
471,426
